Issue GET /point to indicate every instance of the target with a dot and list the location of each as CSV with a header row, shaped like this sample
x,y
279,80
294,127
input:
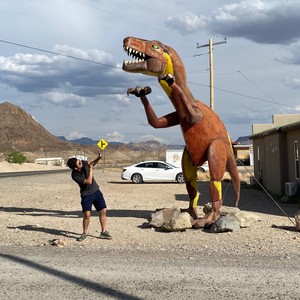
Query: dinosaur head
x,y
150,57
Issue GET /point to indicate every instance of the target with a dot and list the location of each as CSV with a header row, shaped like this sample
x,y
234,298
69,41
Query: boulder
x,y
179,222
171,219
223,211
160,217
225,223
247,219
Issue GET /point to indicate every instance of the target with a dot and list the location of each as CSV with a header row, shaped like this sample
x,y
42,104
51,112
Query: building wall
x,y
291,137
271,168
276,142
278,121
259,158
273,163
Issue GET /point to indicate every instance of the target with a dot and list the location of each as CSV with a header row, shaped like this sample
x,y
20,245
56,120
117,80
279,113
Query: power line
x,y
111,66
59,54
243,95
255,85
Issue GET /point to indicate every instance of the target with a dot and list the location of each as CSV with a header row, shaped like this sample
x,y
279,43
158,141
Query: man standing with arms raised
x,y
82,174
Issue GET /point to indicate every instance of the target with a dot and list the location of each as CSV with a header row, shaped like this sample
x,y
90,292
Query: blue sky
x,y
78,88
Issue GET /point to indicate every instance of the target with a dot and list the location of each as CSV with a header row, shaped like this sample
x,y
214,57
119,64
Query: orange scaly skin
x,y
204,133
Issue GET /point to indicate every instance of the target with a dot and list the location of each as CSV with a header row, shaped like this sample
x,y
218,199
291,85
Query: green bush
x,y
16,157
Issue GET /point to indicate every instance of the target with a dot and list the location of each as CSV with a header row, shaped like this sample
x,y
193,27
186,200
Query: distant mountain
x,y
21,132
152,144
85,141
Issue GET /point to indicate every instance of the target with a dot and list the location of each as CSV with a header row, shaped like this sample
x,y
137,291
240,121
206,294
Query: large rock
x,y
179,222
247,219
232,219
171,219
225,223
162,216
225,210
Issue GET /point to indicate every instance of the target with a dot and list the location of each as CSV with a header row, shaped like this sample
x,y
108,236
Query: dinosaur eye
x,y
155,47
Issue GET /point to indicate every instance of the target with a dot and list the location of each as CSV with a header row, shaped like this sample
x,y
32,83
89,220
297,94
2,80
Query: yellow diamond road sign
x,y
102,144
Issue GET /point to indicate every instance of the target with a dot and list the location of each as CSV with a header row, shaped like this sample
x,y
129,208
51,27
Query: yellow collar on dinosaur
x,y
168,70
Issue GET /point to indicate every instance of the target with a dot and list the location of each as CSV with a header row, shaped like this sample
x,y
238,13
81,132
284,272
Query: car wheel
x,y
137,178
180,178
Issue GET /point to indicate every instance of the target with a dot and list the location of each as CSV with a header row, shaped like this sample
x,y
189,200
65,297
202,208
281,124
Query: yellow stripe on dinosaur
x,y
218,186
168,70
190,174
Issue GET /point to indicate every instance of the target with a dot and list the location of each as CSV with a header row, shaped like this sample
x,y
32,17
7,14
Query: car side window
x,y
161,166
140,165
149,165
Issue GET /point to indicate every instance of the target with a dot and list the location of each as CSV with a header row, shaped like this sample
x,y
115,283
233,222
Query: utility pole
x,y
211,68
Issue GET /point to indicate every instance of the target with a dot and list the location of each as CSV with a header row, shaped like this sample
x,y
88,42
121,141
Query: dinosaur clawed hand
x,y
139,91
169,78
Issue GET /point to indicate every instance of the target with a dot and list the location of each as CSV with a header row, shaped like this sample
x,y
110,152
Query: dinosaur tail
x,y
233,171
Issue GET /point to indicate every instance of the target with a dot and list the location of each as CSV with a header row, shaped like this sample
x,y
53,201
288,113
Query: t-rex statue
x,y
204,133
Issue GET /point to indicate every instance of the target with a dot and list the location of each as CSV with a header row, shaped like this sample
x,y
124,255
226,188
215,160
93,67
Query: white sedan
x,y
152,171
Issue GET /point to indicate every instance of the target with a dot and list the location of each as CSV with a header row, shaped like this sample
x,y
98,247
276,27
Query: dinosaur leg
x,y
217,159
190,174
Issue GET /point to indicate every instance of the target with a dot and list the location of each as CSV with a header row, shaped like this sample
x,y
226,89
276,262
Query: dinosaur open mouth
x,y
139,57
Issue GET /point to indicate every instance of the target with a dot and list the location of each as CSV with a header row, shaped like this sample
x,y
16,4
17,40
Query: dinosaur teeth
x,y
126,62
137,55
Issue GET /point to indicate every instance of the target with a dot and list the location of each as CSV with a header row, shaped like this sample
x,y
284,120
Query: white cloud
x,y
292,82
187,23
92,55
75,135
65,99
150,137
43,73
268,22
115,137
293,56
122,99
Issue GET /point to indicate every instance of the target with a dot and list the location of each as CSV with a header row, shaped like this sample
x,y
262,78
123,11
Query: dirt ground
x,y
260,262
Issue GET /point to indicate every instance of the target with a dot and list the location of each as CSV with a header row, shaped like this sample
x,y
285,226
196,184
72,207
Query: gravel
x,y
41,217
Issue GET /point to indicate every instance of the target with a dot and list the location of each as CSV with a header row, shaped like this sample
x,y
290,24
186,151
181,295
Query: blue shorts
x,y
95,199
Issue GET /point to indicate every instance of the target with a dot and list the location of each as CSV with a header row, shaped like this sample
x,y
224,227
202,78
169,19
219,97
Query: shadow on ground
x,y
252,199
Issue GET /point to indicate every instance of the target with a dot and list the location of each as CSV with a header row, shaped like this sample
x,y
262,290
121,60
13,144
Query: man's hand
x,y
95,161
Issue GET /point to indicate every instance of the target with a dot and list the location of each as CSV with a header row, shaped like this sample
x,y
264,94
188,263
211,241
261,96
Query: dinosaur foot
x,y
207,220
139,91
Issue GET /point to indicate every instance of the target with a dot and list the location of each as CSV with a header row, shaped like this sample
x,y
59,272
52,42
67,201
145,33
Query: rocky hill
x,y
20,131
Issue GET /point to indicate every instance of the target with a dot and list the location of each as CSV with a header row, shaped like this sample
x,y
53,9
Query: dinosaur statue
x,y
204,133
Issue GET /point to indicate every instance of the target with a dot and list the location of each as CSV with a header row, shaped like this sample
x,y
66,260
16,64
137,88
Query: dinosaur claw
x,y
130,91
147,90
139,91
169,78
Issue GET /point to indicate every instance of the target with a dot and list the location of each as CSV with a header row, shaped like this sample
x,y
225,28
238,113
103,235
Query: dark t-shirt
x,y
80,176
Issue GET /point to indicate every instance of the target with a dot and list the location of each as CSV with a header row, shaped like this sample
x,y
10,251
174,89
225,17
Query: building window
x,y
258,160
297,164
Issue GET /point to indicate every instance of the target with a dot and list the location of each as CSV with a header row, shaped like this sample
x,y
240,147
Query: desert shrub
x,y
16,157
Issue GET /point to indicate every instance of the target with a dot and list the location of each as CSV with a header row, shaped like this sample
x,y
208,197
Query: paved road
x,y
30,173
47,272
